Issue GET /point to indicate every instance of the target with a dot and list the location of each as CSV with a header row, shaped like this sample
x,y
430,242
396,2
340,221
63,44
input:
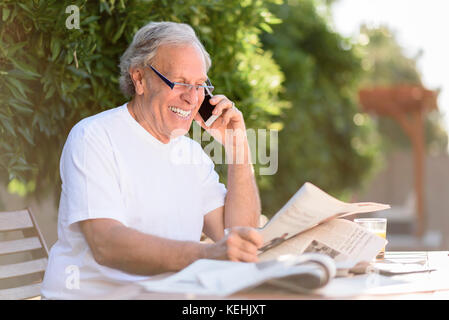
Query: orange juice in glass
x,y
377,226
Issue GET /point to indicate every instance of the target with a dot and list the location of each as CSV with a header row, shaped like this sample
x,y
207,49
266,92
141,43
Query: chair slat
x,y
21,245
23,221
24,292
39,233
15,220
22,268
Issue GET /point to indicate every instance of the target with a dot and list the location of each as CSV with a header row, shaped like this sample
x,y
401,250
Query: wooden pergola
x,y
407,105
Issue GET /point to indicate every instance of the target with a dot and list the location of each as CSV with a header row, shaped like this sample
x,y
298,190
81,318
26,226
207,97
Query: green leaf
x,y
87,65
78,72
104,7
55,47
15,92
5,14
25,132
266,27
91,51
3,116
11,50
25,67
19,85
20,108
50,93
8,126
108,26
25,8
20,74
119,32
69,57
89,20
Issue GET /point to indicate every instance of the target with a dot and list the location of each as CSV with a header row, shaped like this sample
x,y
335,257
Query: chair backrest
x,y
23,255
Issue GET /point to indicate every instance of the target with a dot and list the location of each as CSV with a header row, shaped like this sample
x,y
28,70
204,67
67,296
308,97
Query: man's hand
x,y
230,119
240,244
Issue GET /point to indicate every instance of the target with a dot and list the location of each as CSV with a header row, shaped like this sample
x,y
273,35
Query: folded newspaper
x,y
298,273
309,222
304,245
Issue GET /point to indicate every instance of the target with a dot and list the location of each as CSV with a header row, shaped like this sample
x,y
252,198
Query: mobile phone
x,y
206,109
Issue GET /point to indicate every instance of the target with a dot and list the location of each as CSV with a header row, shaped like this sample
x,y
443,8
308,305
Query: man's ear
x,y
138,80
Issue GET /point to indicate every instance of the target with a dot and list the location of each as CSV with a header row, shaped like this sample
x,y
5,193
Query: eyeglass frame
x,y
208,87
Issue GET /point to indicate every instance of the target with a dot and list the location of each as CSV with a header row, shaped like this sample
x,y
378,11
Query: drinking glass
x,y
377,226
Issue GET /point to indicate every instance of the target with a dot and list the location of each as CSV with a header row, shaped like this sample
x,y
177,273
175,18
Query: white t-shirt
x,y
111,167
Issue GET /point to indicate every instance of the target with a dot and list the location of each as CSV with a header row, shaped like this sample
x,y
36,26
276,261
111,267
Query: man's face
x,y
169,113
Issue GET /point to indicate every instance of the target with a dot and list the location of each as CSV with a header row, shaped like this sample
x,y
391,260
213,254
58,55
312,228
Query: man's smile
x,y
185,114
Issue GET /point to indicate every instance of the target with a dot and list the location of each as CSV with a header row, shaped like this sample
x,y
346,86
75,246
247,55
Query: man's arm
x,y
242,204
116,246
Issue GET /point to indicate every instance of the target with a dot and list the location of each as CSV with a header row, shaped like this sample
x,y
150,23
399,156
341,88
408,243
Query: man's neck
x,y
145,124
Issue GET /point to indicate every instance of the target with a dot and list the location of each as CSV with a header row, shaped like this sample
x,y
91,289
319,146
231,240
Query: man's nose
x,y
191,96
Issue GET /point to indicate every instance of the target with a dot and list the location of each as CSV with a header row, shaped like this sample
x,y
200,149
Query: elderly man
x,y
127,210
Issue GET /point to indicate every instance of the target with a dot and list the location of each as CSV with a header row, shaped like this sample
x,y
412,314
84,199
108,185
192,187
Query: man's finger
x,y
222,105
237,241
246,257
242,256
227,115
248,247
251,234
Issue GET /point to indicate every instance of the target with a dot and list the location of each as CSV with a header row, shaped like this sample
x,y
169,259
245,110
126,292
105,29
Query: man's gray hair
x,y
145,43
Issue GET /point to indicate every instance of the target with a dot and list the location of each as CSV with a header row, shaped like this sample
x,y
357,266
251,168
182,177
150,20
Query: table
x,y
427,285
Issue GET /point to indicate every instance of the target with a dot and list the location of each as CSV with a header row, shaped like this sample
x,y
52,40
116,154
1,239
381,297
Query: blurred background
x,y
356,88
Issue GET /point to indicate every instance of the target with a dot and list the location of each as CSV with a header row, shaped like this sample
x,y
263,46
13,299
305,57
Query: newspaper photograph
x,y
341,239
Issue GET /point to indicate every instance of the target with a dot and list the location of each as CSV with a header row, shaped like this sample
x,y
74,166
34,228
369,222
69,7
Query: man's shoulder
x,y
94,130
97,123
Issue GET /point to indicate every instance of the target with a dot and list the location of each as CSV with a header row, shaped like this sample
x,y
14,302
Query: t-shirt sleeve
x,y
213,192
90,178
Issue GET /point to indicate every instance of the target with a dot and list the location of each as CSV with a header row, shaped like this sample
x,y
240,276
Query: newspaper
x,y
308,223
341,239
304,244
303,273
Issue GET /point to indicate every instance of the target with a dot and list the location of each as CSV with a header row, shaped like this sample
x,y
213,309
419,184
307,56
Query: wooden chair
x,y
23,255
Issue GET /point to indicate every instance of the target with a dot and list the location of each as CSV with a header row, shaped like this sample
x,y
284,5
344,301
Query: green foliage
x,y
384,61
385,64
52,76
325,140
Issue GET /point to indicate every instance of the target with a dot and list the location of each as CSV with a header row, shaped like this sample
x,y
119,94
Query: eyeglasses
x,y
180,86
